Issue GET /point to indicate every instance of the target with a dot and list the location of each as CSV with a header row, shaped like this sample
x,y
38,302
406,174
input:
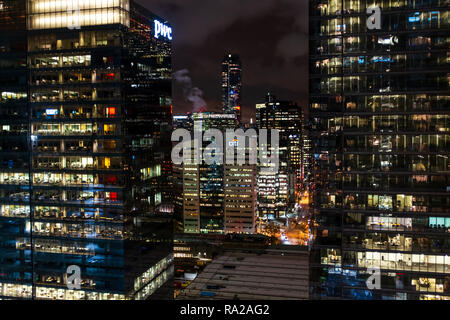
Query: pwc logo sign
x,y
162,30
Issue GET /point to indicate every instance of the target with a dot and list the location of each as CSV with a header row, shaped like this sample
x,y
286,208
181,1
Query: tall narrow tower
x,y
232,84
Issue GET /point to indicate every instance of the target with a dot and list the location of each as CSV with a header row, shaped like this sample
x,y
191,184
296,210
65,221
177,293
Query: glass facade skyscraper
x,y
380,117
232,84
85,150
277,190
200,187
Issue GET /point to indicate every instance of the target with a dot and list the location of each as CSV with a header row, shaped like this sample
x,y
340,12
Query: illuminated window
x,y
113,196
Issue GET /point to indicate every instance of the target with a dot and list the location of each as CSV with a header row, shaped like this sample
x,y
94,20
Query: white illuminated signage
x,y
162,30
388,41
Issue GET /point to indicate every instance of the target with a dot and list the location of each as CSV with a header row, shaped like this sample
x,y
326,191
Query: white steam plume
x,y
192,94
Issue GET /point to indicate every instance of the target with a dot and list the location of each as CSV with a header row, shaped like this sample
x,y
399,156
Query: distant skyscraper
x,y
232,84
183,122
305,153
380,120
277,190
85,150
199,187
214,198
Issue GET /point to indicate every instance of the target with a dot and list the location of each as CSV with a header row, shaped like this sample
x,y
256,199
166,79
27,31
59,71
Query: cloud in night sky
x,y
293,45
269,35
192,94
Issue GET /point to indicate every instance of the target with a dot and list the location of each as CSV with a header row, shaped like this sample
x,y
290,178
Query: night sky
x,y
269,35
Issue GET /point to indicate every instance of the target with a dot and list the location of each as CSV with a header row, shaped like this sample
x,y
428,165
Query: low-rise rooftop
x,y
274,275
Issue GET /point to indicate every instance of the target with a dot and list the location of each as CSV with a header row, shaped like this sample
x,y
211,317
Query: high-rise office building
x,y
380,142
305,153
15,264
232,84
303,195
183,122
85,150
199,186
240,197
277,190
